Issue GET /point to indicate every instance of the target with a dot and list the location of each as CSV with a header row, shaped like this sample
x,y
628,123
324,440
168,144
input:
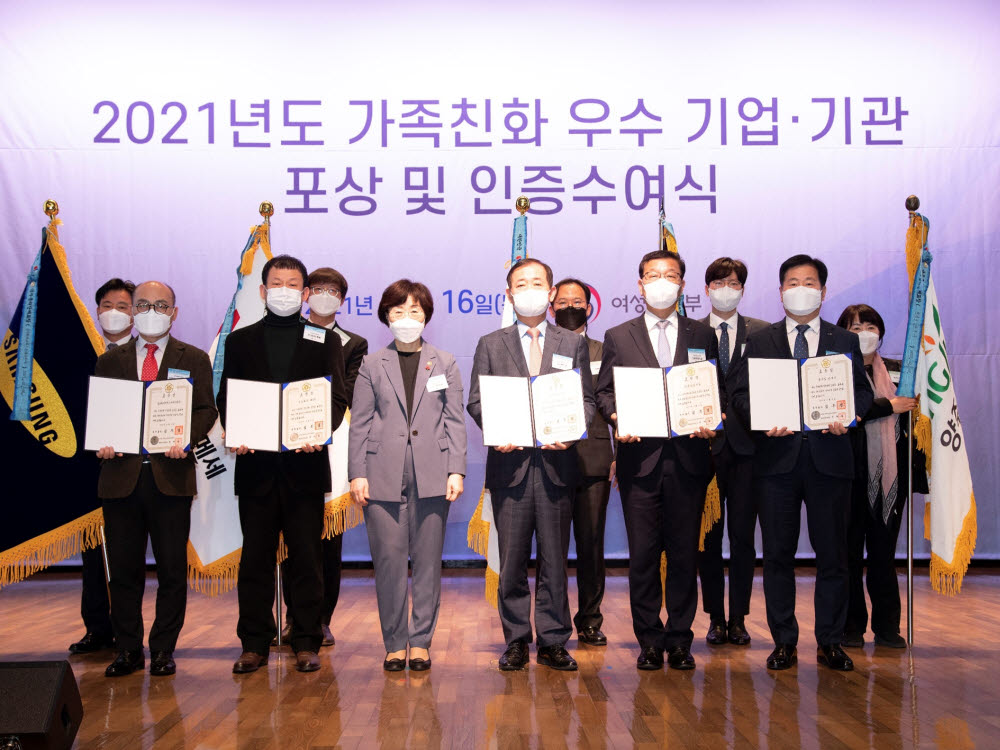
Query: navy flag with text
x,y
49,508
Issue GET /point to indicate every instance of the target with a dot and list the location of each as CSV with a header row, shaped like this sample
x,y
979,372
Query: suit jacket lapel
x,y
513,341
780,336
549,345
428,355
390,362
171,355
640,334
131,365
683,337
741,334
825,338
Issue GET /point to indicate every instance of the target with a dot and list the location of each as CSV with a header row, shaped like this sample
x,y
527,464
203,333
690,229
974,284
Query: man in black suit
x,y
732,453
282,492
571,309
114,316
815,467
662,482
532,488
327,290
149,496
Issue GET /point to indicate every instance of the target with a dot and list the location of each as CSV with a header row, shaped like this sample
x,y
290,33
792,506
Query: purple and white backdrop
x,y
393,138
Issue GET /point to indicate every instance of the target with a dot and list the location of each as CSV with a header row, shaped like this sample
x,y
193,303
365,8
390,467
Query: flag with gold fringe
x,y
50,506
950,511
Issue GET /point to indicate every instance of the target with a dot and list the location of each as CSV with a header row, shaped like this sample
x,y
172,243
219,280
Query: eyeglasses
x,y
415,313
319,290
652,276
719,283
161,307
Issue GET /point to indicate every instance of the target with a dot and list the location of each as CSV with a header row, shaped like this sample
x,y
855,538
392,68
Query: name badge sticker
x,y
894,376
696,355
437,383
174,374
595,367
312,333
561,362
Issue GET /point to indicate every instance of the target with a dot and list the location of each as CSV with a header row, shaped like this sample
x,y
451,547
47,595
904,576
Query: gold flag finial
x,y
522,204
267,211
51,208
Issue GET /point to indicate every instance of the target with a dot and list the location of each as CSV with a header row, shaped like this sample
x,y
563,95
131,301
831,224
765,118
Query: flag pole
x,y
912,204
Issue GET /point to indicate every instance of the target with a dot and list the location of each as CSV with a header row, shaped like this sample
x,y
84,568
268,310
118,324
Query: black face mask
x,y
571,318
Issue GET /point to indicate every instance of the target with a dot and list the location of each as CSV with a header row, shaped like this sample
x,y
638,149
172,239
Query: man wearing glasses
x,y
150,496
662,482
327,291
732,452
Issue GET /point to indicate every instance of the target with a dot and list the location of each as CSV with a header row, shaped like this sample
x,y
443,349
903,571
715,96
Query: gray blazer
x,y
378,434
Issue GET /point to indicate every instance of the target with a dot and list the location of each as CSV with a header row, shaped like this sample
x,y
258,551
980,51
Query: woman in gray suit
x,y
406,463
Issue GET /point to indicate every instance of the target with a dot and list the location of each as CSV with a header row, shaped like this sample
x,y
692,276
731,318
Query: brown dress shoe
x,y
306,661
328,639
249,661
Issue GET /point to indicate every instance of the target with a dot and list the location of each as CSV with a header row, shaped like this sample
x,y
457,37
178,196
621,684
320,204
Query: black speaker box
x,y
39,704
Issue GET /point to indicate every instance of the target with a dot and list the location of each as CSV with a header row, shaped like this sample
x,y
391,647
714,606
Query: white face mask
x,y
802,300
324,304
660,294
283,301
406,330
725,298
531,302
152,324
869,341
114,321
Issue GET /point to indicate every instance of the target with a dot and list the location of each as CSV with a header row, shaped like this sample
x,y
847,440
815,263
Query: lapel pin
x,y
428,366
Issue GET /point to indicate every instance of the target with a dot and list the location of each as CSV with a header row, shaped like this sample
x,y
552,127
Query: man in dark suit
x,y
732,453
662,482
815,467
571,309
282,492
114,316
532,489
150,496
327,290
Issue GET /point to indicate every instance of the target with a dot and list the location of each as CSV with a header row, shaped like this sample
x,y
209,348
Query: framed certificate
x,y
670,402
801,395
693,398
278,416
133,416
531,412
641,402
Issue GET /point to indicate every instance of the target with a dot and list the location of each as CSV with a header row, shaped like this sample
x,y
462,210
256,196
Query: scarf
x,y
882,434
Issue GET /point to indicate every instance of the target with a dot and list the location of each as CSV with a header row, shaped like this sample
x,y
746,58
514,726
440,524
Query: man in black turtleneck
x,y
282,492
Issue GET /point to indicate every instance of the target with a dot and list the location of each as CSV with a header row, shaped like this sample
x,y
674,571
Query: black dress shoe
x,y
393,665
419,665
328,639
592,637
717,635
650,659
92,642
248,662
161,663
286,634
515,657
556,657
126,663
738,634
890,640
834,658
784,656
853,640
679,657
306,661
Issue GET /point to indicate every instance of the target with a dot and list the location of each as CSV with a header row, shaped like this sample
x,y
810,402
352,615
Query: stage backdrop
x,y
393,139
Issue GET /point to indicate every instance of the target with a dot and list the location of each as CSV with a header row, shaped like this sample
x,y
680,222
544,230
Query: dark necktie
x,y
724,346
111,345
801,346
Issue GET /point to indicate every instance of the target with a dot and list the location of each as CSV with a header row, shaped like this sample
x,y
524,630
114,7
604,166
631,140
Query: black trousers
x,y
333,550
865,531
95,607
663,513
779,503
166,521
590,513
739,514
300,519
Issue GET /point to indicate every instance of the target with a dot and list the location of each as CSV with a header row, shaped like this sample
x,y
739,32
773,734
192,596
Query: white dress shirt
x,y
714,321
140,352
812,335
654,332
525,337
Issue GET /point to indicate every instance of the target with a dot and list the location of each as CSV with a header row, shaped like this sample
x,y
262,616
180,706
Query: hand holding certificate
x,y
278,416
542,411
788,395
132,416
679,400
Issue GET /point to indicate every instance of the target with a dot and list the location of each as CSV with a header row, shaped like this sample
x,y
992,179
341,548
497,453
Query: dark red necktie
x,y
149,366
